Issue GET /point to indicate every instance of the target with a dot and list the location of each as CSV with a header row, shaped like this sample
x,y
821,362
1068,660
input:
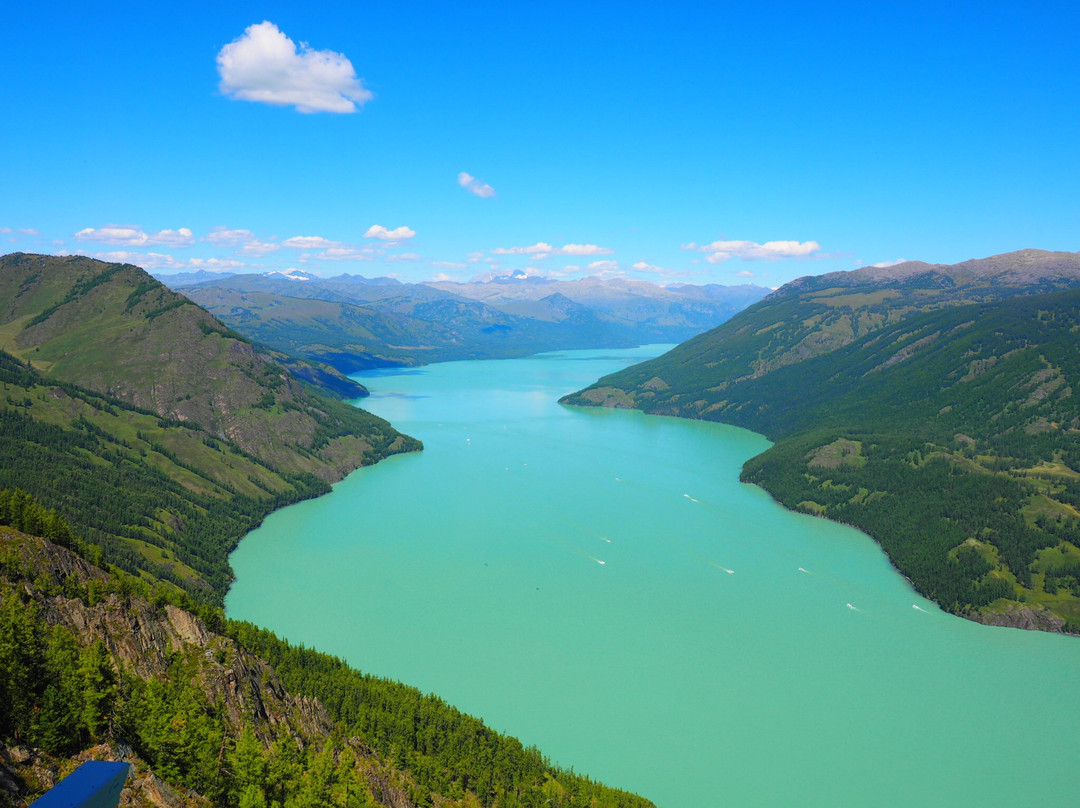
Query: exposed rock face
x,y
1033,618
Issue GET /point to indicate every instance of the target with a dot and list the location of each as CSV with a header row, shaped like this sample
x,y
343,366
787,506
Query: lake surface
x,y
601,585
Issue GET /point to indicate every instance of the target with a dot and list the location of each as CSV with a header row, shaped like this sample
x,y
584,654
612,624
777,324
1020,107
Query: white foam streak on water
x,y
690,687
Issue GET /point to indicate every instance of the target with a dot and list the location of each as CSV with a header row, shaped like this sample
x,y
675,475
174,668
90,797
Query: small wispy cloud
x,y
542,250
397,234
475,186
224,237
265,66
310,243
584,249
603,266
131,236
159,261
884,264
259,248
345,254
447,265
21,231
720,251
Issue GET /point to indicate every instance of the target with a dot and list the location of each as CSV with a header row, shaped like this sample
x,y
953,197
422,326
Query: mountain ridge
x,y
375,322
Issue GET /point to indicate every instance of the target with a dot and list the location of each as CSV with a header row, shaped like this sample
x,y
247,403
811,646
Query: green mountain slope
x,y
94,666
951,436
815,315
159,434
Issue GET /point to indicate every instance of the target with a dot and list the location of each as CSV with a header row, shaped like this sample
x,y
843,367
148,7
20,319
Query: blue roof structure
x,y
95,784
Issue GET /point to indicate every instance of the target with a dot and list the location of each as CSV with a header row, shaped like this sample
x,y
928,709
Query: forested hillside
x,y
101,666
156,432
952,436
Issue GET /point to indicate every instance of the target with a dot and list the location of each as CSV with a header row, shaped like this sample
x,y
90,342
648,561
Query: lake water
x,y
600,584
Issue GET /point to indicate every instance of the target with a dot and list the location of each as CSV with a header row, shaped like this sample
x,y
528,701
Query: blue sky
x,y
700,142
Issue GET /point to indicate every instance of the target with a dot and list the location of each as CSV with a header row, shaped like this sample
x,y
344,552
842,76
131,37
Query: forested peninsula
x,y
140,439
931,406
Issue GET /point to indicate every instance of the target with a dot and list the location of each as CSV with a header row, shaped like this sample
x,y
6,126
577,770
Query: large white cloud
x,y
397,234
264,65
475,186
131,236
720,251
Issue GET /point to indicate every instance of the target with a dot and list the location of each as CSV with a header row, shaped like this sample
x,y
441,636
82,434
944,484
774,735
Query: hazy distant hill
x,y
380,321
946,429
153,428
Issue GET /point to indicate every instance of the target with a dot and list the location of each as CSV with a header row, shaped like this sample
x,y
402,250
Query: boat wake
x,y
919,608
689,497
853,608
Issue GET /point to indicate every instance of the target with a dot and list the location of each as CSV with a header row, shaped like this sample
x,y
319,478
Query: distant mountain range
x,y
932,406
353,322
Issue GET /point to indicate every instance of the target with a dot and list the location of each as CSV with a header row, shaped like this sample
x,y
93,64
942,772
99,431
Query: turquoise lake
x,y
600,584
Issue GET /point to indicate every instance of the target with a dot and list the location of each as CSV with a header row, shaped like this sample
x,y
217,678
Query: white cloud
x,y
157,261
403,258
720,251
344,254
22,231
603,266
258,248
225,237
475,186
440,277
264,65
132,236
447,265
397,234
473,257
309,243
540,248
145,260
746,273
584,249
884,264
